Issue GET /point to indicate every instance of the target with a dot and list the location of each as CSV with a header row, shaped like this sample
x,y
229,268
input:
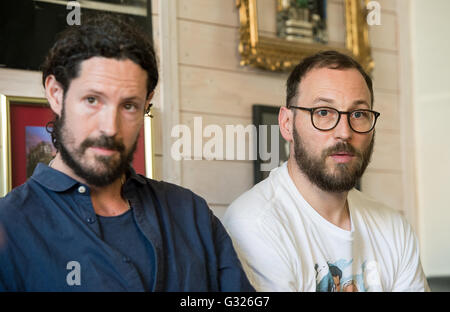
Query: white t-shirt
x,y
285,245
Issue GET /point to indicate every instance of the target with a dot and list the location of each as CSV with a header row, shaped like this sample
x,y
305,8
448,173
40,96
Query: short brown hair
x,y
326,59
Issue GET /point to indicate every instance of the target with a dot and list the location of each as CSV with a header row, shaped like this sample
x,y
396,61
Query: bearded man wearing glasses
x,y
306,218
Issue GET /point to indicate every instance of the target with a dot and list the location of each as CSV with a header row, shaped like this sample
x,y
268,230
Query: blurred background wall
x,y
431,104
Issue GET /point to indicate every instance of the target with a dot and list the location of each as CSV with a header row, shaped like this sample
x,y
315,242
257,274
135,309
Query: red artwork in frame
x,y
27,118
22,116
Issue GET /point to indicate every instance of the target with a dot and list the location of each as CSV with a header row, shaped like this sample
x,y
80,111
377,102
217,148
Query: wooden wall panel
x,y
228,93
209,11
387,151
387,104
208,45
385,74
385,187
382,36
219,182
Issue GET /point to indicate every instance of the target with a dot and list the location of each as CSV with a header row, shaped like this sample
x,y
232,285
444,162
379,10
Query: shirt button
x,y
90,220
126,259
82,189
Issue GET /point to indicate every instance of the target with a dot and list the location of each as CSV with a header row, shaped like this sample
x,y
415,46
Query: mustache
x,y
341,148
103,142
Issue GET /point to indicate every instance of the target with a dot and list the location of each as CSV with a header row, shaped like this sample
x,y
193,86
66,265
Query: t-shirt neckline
x,y
286,178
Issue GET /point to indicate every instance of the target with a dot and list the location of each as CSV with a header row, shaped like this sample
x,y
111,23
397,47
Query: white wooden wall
x,y
383,178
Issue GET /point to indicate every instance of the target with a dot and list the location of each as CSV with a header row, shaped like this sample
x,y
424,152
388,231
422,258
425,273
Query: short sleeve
x,y
410,276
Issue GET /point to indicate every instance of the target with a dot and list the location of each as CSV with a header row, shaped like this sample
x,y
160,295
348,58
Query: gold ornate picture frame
x,y
18,113
277,54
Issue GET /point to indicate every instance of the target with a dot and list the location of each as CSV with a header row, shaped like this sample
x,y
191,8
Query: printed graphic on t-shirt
x,y
338,276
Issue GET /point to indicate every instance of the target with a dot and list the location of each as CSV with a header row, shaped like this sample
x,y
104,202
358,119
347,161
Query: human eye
x,y
91,100
130,107
360,114
323,112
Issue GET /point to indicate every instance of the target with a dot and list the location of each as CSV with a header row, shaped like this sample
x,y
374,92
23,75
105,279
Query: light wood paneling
x,y
228,93
209,11
382,36
219,182
387,151
406,102
21,82
155,7
157,132
170,97
157,167
385,187
385,74
336,23
221,121
387,104
208,45
156,35
388,5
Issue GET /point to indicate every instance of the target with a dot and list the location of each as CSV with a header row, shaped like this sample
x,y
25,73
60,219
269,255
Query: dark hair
x,y
99,35
329,59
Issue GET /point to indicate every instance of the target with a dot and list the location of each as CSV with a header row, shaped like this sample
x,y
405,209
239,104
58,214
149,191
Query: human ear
x,y
54,93
286,123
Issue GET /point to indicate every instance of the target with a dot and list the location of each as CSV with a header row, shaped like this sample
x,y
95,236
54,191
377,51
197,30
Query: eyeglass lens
x,y
327,118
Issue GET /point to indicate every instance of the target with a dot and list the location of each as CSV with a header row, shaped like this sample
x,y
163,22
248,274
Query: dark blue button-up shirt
x,y
50,239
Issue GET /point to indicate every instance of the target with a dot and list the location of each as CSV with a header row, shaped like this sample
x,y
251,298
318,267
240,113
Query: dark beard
x,y
99,178
345,176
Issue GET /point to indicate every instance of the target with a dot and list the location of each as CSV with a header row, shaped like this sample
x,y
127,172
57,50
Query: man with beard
x,y
88,222
306,217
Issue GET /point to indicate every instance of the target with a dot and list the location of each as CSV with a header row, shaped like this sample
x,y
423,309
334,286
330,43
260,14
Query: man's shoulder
x,y
373,209
170,190
18,205
255,203
174,196
15,200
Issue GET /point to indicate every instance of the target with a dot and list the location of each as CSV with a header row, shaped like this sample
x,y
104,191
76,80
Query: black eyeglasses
x,y
327,118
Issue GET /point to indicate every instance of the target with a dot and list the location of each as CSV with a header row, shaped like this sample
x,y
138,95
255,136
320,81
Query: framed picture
x,y
266,117
298,29
25,141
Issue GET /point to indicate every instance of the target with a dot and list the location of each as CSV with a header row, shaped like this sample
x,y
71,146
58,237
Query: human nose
x,y
109,123
343,131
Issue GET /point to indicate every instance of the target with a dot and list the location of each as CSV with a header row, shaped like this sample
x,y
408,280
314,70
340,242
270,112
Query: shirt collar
x,y
134,176
57,181
52,179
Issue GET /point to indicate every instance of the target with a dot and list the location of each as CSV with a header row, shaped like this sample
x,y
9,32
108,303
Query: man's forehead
x,y
334,80
112,70
110,77
96,63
